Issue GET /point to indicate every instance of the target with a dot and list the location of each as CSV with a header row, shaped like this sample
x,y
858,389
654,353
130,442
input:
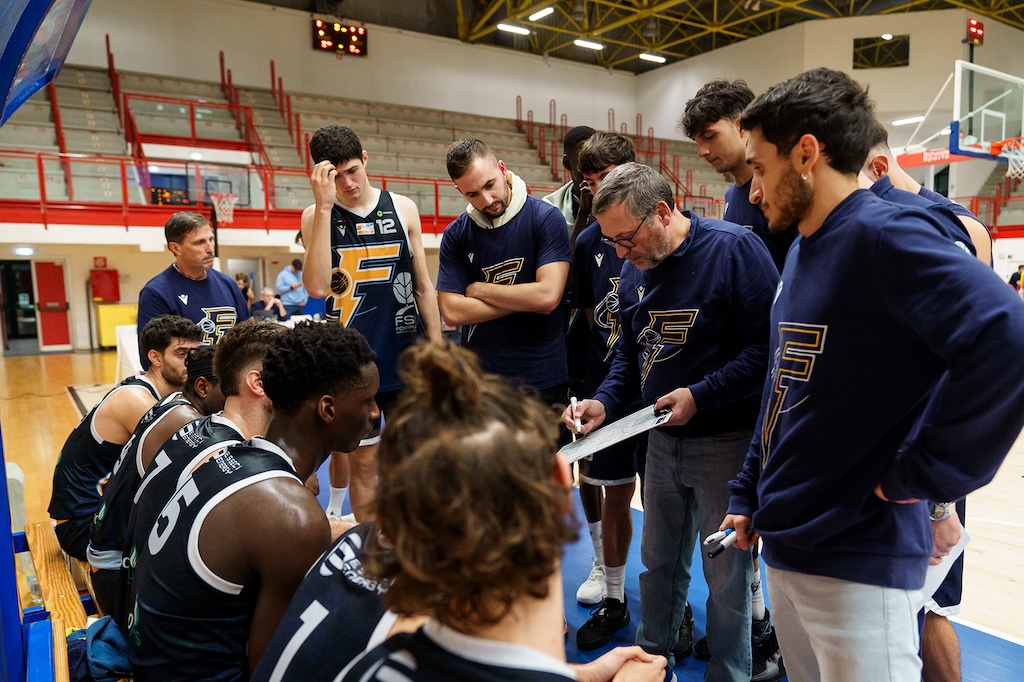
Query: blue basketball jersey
x,y
336,614
372,288
85,462
739,210
186,622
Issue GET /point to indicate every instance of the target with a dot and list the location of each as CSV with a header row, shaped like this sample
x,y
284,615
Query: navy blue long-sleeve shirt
x,y
698,320
873,309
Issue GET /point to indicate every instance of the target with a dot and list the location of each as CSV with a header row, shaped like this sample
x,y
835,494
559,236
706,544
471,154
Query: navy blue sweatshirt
x,y
699,319
873,309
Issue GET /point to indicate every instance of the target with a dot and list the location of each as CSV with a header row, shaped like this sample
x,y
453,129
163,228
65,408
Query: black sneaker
x,y
684,646
701,651
610,617
767,665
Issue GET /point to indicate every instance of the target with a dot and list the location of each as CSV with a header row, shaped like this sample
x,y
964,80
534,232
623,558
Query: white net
x,y
224,205
1014,151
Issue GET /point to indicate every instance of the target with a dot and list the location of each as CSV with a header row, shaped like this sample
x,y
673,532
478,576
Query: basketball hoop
x,y
224,206
1014,152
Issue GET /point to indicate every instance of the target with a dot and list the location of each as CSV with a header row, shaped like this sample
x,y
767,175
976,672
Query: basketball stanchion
x,y
224,205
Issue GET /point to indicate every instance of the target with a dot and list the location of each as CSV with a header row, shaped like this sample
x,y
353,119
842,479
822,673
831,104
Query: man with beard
x,y
89,454
889,385
503,268
693,337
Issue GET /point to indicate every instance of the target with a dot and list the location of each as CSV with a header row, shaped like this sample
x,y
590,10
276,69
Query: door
x,y
51,305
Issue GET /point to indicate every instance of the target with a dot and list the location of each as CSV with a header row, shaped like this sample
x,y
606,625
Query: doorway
x,y
20,326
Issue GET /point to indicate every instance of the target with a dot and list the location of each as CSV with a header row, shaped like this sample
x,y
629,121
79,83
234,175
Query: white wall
x,y
402,67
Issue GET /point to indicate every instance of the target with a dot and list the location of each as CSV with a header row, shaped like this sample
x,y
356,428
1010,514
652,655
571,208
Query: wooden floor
x,y
36,415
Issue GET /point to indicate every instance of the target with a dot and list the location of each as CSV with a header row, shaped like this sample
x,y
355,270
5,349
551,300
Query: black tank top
x,y
85,462
335,615
186,622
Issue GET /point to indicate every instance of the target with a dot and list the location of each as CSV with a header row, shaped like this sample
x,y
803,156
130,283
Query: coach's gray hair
x,y
637,187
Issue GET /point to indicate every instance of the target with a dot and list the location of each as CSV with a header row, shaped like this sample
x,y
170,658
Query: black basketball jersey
x,y
336,614
372,282
85,462
109,525
186,622
166,473
436,653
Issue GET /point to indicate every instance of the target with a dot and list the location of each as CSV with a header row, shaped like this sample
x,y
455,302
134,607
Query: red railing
x,y
242,115
115,80
62,142
131,203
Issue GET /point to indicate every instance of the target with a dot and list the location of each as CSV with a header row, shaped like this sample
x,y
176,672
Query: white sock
x,y
615,582
757,596
598,539
337,499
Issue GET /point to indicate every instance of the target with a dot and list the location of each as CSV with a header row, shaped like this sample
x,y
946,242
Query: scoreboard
x,y
342,39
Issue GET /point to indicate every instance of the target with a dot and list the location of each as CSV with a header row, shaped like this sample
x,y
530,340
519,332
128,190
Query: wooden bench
x,y
60,596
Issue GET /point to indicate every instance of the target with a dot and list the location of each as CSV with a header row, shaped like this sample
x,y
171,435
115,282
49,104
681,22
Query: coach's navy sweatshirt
x,y
700,320
872,309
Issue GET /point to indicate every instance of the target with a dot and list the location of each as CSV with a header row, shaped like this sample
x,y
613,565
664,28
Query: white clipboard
x,y
642,420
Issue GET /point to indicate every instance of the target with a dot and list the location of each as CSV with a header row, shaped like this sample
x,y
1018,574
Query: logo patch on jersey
x,y
345,558
664,336
778,292
183,298
471,254
227,463
606,315
640,290
800,345
358,266
504,272
342,226
364,229
216,322
405,293
598,258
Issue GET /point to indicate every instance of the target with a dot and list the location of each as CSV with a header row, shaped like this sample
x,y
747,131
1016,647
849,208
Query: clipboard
x,y
642,420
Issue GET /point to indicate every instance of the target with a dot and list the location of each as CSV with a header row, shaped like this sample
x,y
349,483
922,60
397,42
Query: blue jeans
x,y
686,493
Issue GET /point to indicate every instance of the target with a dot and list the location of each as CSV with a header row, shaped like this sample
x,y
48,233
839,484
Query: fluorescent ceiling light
x,y
24,251
656,58
886,36
588,44
514,29
195,156
908,120
540,14
945,131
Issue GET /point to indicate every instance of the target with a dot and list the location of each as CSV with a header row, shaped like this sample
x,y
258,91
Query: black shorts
x,y
73,536
384,399
616,465
946,600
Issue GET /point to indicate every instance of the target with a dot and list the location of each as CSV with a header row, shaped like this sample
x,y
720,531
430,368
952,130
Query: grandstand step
x,y
95,142
181,127
325,105
24,184
85,99
24,136
170,87
33,112
83,77
494,138
263,99
106,190
94,119
479,123
395,112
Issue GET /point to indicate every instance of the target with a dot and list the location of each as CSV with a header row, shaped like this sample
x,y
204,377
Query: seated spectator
x,y
206,597
270,306
473,503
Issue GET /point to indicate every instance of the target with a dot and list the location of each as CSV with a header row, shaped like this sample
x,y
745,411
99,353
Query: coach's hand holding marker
x,y
717,542
575,417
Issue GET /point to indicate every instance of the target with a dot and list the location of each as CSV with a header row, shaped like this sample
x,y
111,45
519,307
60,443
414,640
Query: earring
x,y
804,176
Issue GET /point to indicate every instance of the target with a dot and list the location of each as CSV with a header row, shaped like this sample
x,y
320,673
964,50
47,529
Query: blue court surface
x,y
985,657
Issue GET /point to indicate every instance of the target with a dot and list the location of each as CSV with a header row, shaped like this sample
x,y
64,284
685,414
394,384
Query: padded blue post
x,y
12,663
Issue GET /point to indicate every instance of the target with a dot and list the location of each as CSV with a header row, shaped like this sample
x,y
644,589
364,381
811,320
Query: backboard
x,y
35,37
988,108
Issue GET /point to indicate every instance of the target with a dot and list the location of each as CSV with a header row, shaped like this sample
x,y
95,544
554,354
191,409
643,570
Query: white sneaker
x,y
593,590
333,515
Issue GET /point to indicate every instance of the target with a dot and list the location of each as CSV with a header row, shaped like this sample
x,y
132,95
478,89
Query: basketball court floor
x,y
37,412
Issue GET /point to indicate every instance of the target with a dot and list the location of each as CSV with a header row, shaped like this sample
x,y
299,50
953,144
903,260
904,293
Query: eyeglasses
x,y
627,242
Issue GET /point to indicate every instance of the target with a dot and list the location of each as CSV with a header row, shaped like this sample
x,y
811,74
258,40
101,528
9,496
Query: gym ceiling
x,y
674,30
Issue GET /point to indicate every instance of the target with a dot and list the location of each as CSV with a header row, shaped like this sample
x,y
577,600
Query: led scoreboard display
x,y
339,38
